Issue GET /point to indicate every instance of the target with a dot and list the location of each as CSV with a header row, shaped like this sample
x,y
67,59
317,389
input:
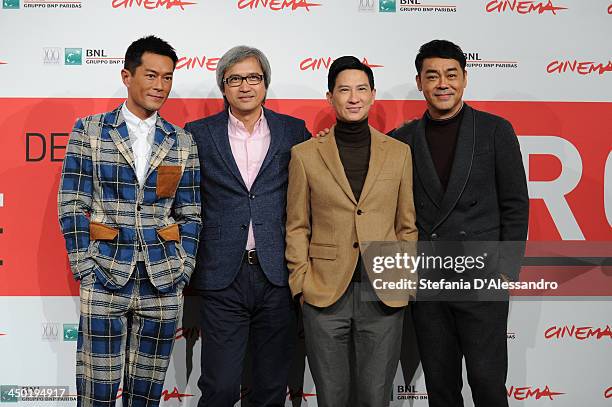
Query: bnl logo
x,y
10,3
386,6
73,56
9,393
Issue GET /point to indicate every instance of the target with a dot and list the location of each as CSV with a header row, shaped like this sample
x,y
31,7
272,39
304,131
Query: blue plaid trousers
x,y
129,331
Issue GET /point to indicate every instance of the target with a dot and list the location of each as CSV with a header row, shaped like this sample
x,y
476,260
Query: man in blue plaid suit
x,y
129,209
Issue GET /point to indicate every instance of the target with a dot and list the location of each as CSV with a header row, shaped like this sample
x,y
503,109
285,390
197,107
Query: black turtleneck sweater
x,y
441,138
353,141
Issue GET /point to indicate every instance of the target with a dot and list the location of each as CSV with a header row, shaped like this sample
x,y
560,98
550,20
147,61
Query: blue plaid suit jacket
x,y
109,222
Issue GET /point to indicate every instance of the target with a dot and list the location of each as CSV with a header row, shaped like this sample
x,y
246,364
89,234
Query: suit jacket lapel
x,y
277,129
331,157
121,137
163,140
377,159
424,165
220,137
462,165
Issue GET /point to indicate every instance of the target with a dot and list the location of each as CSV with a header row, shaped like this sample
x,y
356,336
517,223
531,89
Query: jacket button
x,y
422,204
243,226
473,203
355,245
462,233
434,236
138,208
359,212
252,196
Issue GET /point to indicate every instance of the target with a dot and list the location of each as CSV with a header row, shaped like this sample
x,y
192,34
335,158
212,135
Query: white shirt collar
x,y
132,120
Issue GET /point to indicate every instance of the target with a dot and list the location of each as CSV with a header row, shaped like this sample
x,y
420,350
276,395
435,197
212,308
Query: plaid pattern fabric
x,y
129,331
99,184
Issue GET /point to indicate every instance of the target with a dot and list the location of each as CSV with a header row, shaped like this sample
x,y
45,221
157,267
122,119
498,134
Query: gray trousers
x,y
353,350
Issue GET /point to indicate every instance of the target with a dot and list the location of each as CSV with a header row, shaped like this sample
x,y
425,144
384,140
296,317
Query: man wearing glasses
x,y
241,272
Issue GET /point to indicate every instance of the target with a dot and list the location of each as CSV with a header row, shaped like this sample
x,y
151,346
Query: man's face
x,y
149,85
245,99
352,95
442,82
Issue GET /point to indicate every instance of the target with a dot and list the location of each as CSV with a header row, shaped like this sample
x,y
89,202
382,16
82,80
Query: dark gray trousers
x,y
353,349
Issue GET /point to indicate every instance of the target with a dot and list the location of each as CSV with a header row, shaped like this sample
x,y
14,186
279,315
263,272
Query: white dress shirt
x,y
141,136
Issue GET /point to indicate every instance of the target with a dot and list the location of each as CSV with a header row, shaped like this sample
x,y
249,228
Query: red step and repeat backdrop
x,y
545,66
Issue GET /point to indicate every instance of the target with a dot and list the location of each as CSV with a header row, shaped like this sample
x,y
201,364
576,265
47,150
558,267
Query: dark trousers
x,y
251,310
353,349
448,331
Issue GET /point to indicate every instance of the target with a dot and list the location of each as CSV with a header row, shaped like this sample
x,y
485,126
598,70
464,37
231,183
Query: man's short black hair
x,y
439,49
344,63
152,44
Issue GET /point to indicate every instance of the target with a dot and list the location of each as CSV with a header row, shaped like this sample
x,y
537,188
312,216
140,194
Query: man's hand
x,y
322,133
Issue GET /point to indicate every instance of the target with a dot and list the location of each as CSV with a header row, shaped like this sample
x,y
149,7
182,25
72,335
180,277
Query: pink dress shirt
x,y
249,151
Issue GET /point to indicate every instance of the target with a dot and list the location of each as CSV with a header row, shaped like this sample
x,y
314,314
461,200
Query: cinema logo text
x,y
49,4
153,4
527,392
510,335
608,393
474,60
317,63
203,62
523,7
409,392
277,5
175,394
579,67
610,9
2,63
579,333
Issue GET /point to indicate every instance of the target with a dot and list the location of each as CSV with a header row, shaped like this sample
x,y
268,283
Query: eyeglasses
x,y
236,80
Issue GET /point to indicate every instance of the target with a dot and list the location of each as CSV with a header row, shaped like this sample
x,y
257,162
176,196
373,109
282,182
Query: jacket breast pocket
x,y
320,251
168,178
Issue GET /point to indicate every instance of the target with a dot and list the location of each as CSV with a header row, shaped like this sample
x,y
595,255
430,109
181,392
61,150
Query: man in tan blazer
x,y
349,187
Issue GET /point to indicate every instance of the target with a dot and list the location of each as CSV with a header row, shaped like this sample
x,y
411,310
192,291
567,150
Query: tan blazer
x,y
325,224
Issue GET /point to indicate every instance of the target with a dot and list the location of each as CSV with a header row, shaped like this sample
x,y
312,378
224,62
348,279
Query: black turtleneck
x,y
353,141
441,138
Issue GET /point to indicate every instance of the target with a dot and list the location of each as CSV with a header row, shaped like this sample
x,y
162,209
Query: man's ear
x,y
418,82
328,95
126,76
